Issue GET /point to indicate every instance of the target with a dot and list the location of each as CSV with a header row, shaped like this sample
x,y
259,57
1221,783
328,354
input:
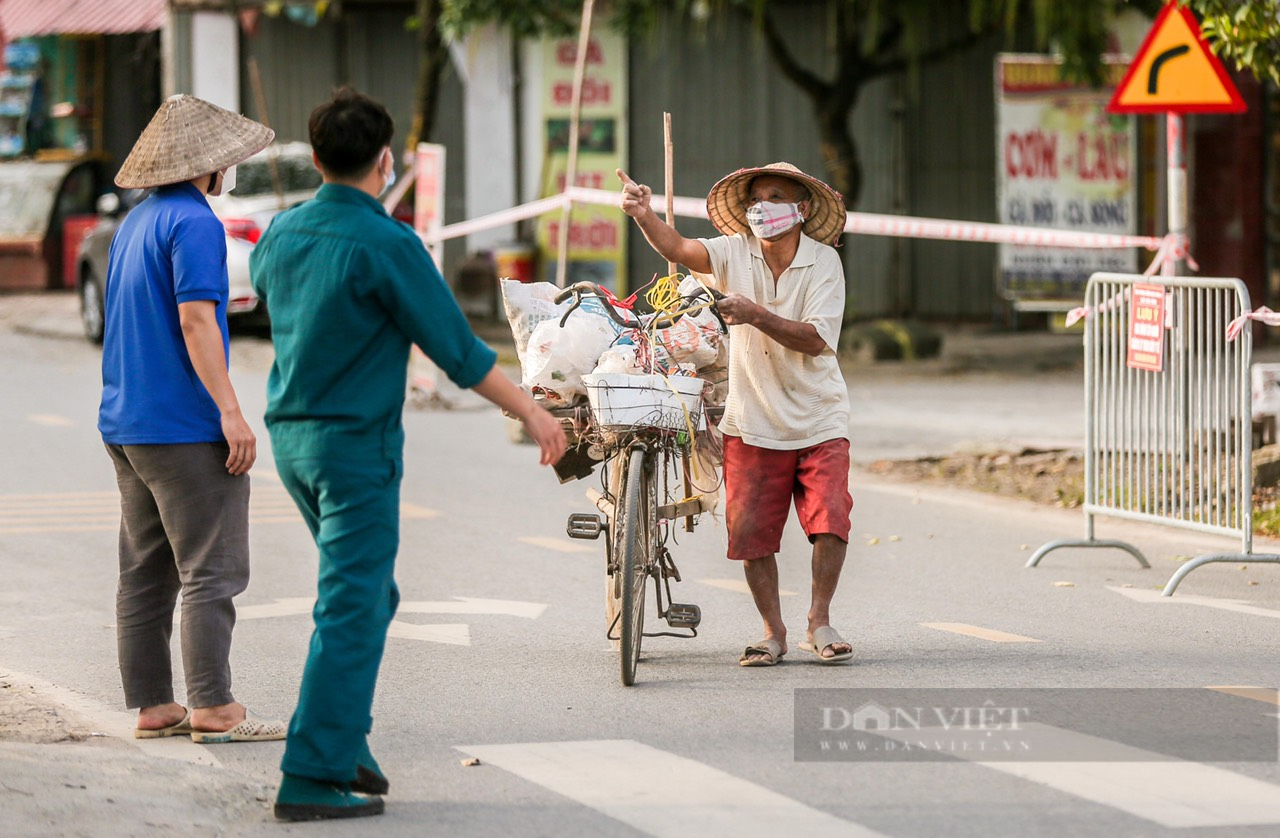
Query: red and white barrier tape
x,y
1172,249
860,223
1263,315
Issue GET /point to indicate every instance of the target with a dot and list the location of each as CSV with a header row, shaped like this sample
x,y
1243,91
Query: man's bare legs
x,y
762,579
828,561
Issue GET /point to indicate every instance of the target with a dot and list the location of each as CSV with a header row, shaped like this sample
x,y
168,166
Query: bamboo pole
x,y
260,97
571,168
669,178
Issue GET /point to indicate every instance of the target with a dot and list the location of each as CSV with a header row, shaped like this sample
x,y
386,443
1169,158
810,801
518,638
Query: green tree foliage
x,y
1245,32
871,39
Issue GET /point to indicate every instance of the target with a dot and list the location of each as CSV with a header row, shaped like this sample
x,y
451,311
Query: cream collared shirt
x,y
780,398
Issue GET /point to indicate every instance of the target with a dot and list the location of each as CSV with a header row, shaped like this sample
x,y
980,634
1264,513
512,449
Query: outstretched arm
x,y
543,428
636,200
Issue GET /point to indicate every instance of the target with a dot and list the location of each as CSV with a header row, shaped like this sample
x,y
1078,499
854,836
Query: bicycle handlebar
x,y
578,289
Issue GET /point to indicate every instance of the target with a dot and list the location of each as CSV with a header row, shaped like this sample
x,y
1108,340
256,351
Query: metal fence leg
x,y
1075,542
1198,561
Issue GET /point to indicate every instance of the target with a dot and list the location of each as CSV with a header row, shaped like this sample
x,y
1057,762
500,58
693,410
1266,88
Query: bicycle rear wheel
x,y
638,529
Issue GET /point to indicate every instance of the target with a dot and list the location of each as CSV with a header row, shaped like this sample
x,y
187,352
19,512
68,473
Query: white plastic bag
x,y
619,358
527,305
556,358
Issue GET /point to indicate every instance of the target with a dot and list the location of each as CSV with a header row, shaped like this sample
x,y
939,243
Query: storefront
x,y
78,83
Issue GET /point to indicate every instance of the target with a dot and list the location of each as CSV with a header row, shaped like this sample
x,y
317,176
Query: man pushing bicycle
x,y
786,420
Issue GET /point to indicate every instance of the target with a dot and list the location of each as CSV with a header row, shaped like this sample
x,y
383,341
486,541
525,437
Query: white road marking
x,y
1173,793
454,634
1268,695
981,633
660,793
51,420
1237,605
117,724
563,545
738,586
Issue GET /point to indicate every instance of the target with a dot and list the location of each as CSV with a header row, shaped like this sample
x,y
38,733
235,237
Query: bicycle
x,y
646,487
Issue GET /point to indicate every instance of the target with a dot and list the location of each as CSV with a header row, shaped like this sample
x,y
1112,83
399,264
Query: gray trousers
x,y
184,527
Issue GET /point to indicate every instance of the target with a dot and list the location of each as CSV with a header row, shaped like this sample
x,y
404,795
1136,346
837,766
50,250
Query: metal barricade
x,y
1172,446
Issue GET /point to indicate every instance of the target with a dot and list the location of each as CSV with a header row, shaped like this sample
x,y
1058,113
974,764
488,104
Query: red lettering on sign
x,y
1031,155
1102,157
567,52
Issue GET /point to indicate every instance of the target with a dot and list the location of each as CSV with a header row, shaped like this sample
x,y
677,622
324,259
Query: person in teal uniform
x,y
350,290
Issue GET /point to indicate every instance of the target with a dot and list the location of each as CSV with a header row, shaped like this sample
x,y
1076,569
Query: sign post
x,y
1175,73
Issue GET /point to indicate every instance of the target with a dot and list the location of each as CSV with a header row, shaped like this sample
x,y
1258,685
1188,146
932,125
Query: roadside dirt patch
x,y
26,716
1053,477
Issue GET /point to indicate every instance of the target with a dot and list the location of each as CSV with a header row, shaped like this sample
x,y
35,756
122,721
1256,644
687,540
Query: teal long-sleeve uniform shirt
x,y
349,290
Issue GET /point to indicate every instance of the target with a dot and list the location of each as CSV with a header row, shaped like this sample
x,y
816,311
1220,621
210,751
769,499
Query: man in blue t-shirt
x,y
173,426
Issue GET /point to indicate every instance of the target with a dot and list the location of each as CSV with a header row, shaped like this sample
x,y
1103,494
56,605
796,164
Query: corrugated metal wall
x,y
926,148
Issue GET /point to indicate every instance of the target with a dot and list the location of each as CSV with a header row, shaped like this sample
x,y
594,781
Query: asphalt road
x,y
499,653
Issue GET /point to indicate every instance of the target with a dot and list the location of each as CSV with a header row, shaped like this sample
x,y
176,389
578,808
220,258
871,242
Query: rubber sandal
x,y
765,653
822,638
252,729
303,799
181,728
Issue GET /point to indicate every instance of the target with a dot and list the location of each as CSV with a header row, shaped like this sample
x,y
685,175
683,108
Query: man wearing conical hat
x,y
172,424
786,419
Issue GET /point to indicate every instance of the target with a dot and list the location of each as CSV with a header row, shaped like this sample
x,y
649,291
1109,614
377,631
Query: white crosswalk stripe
x,y
661,793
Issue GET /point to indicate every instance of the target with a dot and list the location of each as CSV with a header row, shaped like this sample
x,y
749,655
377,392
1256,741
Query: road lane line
x,y
1155,787
738,586
981,633
1239,606
50,420
561,545
1264,694
454,634
660,793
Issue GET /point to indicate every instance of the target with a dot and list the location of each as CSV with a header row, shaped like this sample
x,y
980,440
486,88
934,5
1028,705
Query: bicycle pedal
x,y
683,615
585,525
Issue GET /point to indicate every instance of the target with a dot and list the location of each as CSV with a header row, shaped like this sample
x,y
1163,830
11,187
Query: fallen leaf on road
x,y
1064,584
873,541
895,538
1252,584
470,761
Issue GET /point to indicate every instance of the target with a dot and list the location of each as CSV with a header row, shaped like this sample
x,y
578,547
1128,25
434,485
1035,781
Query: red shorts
x,y
759,484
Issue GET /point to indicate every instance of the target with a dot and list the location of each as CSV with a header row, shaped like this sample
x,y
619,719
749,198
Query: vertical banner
x,y
1061,161
428,194
597,235
1146,328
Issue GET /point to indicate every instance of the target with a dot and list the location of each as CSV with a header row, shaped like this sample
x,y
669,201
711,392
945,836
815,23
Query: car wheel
x,y
92,314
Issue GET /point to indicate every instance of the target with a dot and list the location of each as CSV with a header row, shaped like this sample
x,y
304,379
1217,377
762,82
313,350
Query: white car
x,y
245,213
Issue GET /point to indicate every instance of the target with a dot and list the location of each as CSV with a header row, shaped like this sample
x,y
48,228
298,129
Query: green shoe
x,y
369,777
301,799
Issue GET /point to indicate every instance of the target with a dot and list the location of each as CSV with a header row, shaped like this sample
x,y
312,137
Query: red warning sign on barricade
x,y
1146,328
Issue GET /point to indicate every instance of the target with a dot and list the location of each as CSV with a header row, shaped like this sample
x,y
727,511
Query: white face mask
x,y
767,220
228,180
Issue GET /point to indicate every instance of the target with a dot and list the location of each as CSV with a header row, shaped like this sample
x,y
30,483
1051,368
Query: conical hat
x,y
187,138
728,201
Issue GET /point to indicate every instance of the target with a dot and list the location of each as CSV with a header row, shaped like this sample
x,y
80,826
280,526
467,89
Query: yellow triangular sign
x,y
1174,71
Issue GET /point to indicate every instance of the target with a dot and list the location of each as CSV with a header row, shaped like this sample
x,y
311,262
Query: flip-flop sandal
x,y
181,728
252,729
765,653
822,638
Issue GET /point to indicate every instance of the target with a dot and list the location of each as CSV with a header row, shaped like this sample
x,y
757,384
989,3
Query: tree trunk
x,y
433,56
839,149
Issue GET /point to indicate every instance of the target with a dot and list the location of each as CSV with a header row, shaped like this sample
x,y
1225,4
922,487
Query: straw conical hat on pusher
x,y
187,138
728,201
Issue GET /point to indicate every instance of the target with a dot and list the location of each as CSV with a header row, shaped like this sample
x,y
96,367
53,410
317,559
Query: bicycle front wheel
x,y
639,526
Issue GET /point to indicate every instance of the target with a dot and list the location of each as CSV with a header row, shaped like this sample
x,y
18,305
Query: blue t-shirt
x,y
170,249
